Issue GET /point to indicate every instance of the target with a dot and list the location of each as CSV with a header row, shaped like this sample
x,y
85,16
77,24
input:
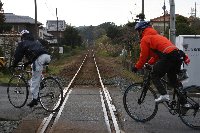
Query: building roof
x,y
47,34
12,18
161,18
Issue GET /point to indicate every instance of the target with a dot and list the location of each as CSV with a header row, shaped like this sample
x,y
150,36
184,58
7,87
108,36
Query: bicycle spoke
x,y
191,115
17,91
139,106
50,94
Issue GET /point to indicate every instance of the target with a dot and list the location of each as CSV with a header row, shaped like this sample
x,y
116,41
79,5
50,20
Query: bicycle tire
x,y
137,111
17,91
187,115
50,94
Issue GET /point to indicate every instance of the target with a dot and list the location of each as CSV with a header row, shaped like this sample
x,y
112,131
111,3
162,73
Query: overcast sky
x,y
95,12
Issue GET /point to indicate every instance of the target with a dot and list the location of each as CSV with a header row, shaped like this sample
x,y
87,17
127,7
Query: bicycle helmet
x,y
24,31
26,35
142,25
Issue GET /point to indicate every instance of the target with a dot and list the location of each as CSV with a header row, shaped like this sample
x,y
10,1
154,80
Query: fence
x,y
8,44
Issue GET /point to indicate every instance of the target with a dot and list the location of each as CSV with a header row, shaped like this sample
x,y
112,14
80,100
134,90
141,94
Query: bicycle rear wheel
x,y
138,109
50,94
17,91
191,115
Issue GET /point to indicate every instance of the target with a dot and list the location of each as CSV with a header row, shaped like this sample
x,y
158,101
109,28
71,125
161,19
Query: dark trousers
x,y
169,64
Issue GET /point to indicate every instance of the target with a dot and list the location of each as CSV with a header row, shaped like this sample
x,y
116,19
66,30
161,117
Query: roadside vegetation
x,y
57,65
114,58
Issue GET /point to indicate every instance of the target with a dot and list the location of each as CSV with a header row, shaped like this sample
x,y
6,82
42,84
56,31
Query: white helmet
x,y
24,31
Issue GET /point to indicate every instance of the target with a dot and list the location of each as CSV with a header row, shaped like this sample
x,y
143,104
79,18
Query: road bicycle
x,y
50,91
139,101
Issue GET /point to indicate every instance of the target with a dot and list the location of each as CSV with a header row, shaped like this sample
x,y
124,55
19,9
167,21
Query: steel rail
x,y
49,122
46,121
111,107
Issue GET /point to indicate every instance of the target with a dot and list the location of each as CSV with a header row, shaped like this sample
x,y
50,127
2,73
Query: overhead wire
x,y
50,10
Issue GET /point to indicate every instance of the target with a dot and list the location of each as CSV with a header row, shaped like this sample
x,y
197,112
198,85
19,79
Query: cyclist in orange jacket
x,y
165,57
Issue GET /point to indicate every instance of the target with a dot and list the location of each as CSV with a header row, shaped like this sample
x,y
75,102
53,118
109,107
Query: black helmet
x,y
142,25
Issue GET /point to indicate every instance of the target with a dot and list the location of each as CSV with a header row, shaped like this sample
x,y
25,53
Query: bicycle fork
x,y
142,96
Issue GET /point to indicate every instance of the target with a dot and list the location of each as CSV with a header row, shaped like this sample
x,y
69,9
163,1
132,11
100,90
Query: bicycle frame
x,y
146,84
139,101
174,105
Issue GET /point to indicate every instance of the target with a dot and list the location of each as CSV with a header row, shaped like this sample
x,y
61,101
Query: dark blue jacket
x,y
29,48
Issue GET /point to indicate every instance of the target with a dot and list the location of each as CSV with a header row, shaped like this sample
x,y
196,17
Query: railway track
x,y
88,73
89,106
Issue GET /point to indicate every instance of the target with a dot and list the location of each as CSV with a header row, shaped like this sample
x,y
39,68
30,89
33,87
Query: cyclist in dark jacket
x,y
36,55
165,57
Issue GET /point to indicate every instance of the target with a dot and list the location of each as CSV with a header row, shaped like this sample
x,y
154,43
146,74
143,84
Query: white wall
x,y
190,44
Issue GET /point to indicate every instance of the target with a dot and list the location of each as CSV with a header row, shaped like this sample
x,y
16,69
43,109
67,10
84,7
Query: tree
x,y
182,26
87,33
195,25
183,29
71,37
106,25
113,32
2,16
3,26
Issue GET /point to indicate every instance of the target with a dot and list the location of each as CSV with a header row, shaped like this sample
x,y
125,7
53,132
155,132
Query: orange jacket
x,y
152,40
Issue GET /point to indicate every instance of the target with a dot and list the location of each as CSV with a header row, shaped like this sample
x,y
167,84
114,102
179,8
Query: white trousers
x,y
37,68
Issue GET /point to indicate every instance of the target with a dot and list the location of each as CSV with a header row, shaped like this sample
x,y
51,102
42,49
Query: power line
x,y
50,10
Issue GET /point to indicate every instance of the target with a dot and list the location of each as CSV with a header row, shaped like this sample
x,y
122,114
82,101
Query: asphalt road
x,y
76,114
7,111
163,122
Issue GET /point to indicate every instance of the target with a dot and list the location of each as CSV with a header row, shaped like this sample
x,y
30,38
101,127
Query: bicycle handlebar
x,y
147,66
20,68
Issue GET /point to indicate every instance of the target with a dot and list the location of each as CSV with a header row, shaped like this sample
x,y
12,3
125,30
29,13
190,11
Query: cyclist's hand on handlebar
x,y
25,65
134,69
11,69
148,66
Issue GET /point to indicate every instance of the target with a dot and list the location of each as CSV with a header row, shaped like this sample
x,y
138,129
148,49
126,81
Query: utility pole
x,y
142,6
36,28
172,33
195,10
57,25
58,39
143,16
164,10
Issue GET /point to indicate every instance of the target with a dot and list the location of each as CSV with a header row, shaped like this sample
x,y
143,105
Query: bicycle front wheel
x,y
50,94
139,105
191,115
17,91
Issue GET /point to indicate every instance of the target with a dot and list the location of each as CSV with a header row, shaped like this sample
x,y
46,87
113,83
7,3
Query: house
x,y
51,33
55,27
20,23
162,22
25,22
8,41
43,34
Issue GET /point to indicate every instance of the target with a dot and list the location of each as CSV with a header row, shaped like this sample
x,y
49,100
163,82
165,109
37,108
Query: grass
x,y
131,76
4,78
57,65
117,62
